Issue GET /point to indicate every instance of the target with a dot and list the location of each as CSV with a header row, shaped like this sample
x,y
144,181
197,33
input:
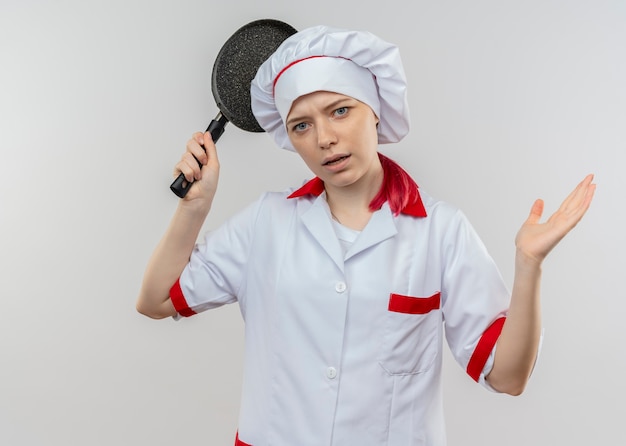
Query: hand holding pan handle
x,y
181,186
235,66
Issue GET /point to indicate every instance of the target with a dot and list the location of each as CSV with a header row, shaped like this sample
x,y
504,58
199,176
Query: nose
x,y
326,135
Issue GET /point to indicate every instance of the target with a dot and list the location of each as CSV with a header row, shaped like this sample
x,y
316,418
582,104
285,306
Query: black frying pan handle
x,y
181,186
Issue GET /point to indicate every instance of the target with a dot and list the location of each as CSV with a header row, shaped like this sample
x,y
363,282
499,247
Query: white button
x,y
340,287
331,373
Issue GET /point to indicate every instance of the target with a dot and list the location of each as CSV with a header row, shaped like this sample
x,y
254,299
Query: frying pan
x,y
234,68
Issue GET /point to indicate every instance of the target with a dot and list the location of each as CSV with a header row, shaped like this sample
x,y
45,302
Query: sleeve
x,y
217,266
475,299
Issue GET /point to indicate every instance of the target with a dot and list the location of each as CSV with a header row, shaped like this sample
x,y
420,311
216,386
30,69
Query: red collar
x,y
315,187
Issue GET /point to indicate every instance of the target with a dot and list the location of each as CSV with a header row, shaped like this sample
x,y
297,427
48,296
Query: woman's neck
x,y
350,205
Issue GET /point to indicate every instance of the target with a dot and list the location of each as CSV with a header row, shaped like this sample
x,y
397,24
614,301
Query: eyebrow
x,y
327,107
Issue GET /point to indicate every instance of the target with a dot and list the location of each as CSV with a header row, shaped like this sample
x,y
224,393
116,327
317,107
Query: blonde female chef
x,y
346,283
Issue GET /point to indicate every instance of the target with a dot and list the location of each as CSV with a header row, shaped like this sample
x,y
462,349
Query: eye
x,y
341,111
300,127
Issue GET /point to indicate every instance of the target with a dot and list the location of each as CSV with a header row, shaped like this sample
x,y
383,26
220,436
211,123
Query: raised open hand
x,y
535,240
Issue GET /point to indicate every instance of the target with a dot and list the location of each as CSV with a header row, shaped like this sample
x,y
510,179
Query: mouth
x,y
335,160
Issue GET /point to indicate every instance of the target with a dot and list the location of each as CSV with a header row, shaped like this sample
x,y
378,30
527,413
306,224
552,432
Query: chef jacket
x,y
347,349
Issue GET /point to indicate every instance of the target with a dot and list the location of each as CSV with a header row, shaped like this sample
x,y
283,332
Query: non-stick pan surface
x,y
234,68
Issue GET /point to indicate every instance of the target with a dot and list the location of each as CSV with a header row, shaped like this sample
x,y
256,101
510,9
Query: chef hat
x,y
355,63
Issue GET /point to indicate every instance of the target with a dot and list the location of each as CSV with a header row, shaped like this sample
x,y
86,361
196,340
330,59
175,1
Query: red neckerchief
x,y
316,186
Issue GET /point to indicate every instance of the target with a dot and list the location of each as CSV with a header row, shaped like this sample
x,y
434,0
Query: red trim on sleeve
x,y
238,442
178,300
414,305
483,349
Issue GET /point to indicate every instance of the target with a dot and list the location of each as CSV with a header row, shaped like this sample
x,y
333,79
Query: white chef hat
x,y
355,63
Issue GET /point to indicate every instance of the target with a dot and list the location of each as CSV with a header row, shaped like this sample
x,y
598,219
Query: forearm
x,y
517,347
168,261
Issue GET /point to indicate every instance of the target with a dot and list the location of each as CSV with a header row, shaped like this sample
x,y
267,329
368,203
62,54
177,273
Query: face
x,y
336,137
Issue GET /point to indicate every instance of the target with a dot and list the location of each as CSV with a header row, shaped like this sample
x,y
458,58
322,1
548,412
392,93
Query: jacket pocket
x,y
414,305
412,336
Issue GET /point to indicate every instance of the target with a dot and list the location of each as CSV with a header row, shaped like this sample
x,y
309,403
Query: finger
x,y
189,166
199,137
591,190
578,205
536,211
187,169
577,196
191,161
574,207
195,148
209,147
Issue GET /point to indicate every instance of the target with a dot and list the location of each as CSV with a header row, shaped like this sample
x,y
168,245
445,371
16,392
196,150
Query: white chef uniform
x,y
347,350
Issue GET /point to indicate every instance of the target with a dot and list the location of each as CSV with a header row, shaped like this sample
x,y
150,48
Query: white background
x,y
511,101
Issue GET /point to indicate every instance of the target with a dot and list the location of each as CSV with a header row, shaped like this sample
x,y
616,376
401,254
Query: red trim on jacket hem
x,y
178,300
238,442
483,349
